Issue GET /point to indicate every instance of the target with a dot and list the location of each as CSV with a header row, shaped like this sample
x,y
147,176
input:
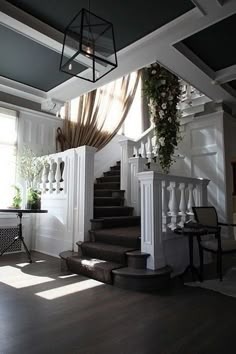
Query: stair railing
x,y
166,202
69,177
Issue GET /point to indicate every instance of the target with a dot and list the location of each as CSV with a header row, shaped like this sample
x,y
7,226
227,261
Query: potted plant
x,y
30,169
17,199
33,199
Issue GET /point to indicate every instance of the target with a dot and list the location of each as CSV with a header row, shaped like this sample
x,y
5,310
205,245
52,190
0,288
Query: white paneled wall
x,y
38,131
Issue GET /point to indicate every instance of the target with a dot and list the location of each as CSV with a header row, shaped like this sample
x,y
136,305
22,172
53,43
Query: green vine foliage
x,y
162,90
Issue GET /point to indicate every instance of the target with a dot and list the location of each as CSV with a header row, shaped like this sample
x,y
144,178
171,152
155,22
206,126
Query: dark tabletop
x,y
28,211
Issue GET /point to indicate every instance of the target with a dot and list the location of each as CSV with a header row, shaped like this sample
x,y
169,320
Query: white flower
x,y
162,141
169,119
163,82
161,114
163,94
163,106
170,98
154,72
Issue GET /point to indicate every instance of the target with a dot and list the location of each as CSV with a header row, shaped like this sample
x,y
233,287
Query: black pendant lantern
x,y
89,47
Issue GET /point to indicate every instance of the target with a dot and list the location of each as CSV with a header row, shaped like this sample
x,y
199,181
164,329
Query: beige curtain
x,y
96,117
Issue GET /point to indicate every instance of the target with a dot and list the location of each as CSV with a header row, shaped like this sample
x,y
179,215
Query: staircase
x,y
113,253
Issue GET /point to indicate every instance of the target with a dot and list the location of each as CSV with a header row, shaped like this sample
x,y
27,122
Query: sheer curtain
x,y
96,117
8,143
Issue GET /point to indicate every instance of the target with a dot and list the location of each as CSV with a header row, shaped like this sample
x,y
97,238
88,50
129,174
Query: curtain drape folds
x,y
95,118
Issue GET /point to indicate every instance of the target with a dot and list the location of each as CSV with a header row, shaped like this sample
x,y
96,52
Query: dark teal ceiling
x,y
25,61
215,44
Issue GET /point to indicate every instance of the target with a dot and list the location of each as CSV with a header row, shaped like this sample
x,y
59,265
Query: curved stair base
x,y
142,279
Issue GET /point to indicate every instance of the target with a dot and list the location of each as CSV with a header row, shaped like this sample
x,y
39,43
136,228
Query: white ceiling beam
x,y
225,75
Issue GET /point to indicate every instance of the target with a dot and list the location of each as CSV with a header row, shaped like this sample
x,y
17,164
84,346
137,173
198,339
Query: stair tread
x,y
96,262
117,218
95,268
107,247
128,271
112,207
129,231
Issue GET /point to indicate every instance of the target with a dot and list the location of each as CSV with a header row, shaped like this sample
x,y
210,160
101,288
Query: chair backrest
x,y
206,215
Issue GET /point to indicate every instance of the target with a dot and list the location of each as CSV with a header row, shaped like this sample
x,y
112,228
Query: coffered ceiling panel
x,y
27,62
132,19
215,44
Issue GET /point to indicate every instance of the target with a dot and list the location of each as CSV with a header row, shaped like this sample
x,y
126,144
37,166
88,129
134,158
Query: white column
x,y
127,148
136,165
151,218
83,190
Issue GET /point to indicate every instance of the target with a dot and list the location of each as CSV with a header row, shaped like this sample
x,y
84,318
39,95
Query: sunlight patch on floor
x,y
67,276
69,289
22,264
17,279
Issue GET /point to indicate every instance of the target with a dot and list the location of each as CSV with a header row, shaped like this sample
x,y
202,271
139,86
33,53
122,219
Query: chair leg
x,y
219,265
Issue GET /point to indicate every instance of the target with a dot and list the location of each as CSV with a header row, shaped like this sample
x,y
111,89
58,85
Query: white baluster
x,y
51,177
173,205
135,151
190,200
44,178
182,204
58,175
164,206
143,150
149,149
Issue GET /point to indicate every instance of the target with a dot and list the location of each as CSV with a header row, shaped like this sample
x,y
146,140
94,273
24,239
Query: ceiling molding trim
x,y
18,89
30,21
200,7
220,2
183,49
28,111
225,75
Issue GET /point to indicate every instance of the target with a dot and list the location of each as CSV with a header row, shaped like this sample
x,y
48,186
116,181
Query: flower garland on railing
x,y
162,89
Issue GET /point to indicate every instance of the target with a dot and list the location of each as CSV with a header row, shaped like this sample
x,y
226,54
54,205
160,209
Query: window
x,y
8,147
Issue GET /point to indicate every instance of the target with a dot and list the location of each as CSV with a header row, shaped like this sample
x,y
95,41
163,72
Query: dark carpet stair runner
x,y
113,253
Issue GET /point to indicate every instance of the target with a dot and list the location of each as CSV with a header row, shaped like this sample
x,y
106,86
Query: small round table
x,y
191,230
19,213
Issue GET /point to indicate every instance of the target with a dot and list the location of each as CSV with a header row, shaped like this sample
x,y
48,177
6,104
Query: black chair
x,y
207,217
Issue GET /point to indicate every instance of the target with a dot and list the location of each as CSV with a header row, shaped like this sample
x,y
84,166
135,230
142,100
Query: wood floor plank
x,y
107,320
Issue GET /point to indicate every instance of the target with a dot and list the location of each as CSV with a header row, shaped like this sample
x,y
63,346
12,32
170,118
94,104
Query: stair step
x,y
107,185
109,193
109,201
93,268
137,259
123,236
108,179
117,168
142,279
105,211
107,252
115,221
112,173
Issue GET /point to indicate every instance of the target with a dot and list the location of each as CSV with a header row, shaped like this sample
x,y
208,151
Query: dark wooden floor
x,y
104,319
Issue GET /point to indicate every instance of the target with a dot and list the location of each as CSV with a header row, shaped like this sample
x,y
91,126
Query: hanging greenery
x,y
162,89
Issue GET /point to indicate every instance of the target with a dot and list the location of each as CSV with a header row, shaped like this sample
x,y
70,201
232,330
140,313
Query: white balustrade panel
x,y
175,197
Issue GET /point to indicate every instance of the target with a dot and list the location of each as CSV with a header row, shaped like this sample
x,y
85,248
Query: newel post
x,y
151,218
136,165
202,192
83,190
127,149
